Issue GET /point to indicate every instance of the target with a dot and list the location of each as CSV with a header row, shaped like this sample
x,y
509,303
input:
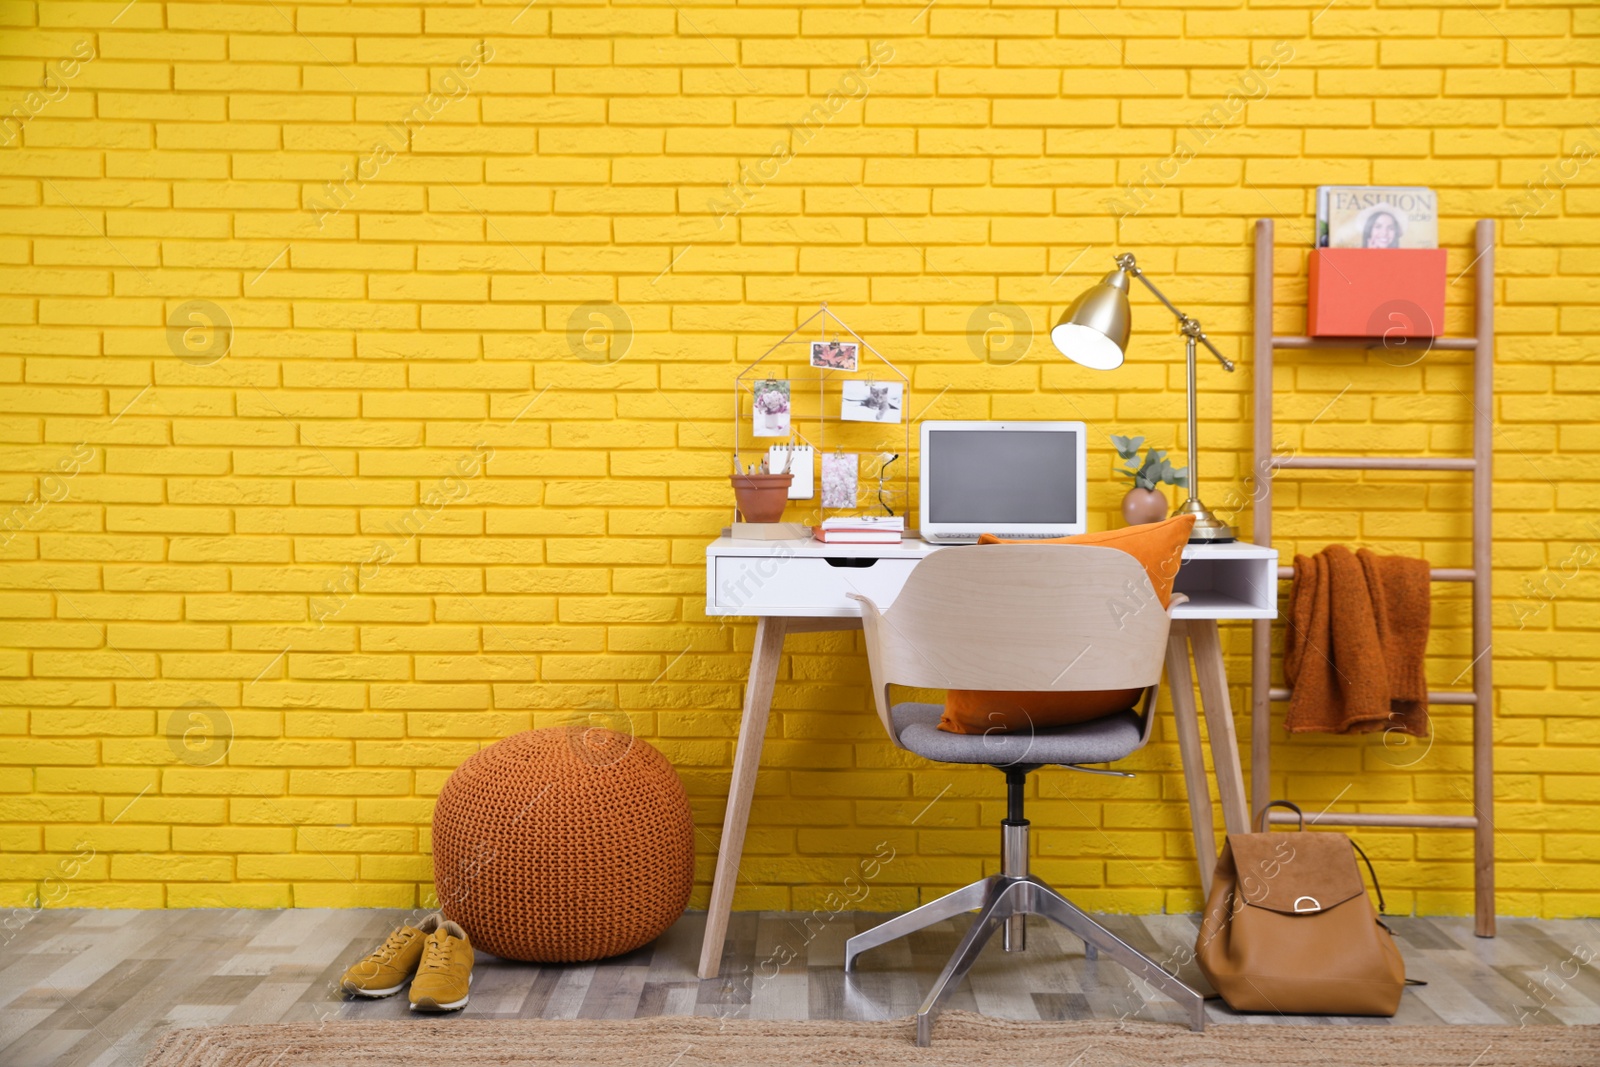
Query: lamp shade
x,y
1094,330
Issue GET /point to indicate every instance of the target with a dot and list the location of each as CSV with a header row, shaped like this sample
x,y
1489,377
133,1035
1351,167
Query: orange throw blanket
x,y
1358,631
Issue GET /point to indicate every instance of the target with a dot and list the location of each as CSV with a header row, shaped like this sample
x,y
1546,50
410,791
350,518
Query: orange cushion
x,y
1158,546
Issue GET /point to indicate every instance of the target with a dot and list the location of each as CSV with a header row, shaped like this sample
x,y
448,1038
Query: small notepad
x,y
801,462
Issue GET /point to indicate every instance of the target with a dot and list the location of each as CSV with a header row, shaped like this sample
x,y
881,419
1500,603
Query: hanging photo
x,y
832,355
839,479
869,401
771,409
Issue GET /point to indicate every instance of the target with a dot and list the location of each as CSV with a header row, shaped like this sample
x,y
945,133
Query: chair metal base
x,y
1003,901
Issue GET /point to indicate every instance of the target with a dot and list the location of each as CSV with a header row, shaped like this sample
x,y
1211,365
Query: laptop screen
x,y
994,478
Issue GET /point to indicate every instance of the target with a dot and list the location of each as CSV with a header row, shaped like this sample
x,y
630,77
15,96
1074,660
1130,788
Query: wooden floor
x,y
81,988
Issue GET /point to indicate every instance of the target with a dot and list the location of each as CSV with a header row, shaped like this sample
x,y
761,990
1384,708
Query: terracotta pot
x,y
1144,505
761,497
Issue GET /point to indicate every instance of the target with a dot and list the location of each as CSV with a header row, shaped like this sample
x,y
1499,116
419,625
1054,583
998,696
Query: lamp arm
x,y
1191,327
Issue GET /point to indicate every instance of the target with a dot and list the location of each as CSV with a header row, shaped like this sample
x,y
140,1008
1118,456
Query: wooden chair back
x,y
1054,618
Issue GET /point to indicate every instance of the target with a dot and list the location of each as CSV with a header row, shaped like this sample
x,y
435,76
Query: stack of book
x,y
862,530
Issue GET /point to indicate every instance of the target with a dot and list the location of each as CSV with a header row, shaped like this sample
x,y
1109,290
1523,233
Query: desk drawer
x,y
802,585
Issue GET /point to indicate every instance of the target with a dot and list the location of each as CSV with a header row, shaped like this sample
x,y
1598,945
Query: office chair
x,y
1018,617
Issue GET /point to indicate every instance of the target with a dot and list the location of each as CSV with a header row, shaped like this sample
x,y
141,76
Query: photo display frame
x,y
810,361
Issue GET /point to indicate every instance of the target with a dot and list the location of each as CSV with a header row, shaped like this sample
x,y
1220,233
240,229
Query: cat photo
x,y
869,401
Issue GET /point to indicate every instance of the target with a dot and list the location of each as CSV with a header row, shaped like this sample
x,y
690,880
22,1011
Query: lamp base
x,y
1208,529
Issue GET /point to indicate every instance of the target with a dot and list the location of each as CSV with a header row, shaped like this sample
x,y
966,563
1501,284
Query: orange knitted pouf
x,y
563,845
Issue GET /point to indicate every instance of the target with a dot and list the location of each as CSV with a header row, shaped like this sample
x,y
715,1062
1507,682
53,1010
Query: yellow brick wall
x,y
318,476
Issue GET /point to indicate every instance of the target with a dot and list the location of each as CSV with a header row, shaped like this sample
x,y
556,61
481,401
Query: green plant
x,y
1154,470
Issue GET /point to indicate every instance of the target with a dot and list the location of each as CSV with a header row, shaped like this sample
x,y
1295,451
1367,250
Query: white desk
x,y
800,587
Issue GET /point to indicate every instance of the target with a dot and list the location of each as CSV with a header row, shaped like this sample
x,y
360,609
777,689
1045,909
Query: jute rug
x,y
960,1038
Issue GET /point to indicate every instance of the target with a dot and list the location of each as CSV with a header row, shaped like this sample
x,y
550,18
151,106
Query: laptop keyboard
x,y
969,538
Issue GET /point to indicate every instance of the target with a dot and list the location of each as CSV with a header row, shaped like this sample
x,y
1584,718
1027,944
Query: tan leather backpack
x,y
1288,927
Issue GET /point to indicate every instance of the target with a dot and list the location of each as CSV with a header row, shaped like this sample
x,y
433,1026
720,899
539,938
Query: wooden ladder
x,y
1481,696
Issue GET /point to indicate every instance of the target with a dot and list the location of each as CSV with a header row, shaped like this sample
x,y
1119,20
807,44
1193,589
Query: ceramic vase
x,y
1144,505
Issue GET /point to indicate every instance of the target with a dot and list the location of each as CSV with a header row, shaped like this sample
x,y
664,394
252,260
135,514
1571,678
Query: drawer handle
x,y
850,561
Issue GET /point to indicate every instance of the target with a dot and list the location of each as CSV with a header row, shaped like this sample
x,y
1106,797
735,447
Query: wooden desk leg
x,y
1180,686
746,762
1207,643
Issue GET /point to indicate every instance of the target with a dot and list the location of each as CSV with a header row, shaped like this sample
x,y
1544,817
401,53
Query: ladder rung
x,y
1366,818
1437,574
1445,344
1359,463
1435,696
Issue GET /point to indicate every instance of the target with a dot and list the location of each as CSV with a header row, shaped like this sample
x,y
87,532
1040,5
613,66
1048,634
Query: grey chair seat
x,y
1097,741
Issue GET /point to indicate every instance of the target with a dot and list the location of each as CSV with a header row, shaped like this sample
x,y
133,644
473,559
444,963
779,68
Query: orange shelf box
x,y
1376,292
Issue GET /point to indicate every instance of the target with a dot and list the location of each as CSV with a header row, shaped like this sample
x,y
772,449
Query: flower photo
x,y
770,409
833,355
839,479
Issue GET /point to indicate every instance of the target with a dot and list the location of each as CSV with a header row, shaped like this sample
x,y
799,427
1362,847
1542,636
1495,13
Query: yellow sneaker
x,y
445,973
383,972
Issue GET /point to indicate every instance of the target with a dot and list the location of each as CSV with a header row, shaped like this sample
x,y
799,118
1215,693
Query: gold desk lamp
x,y
1094,332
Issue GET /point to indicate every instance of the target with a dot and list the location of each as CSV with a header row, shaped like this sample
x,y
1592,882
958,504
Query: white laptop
x,y
1011,479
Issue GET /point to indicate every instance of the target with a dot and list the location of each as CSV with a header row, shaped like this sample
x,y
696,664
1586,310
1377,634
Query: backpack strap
x,y
1262,826
1376,888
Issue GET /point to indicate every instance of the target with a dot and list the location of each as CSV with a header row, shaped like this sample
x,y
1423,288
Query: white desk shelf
x,y
1232,581
809,579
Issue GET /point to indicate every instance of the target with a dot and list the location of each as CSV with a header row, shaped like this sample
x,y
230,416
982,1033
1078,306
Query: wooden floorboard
x,y
96,988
